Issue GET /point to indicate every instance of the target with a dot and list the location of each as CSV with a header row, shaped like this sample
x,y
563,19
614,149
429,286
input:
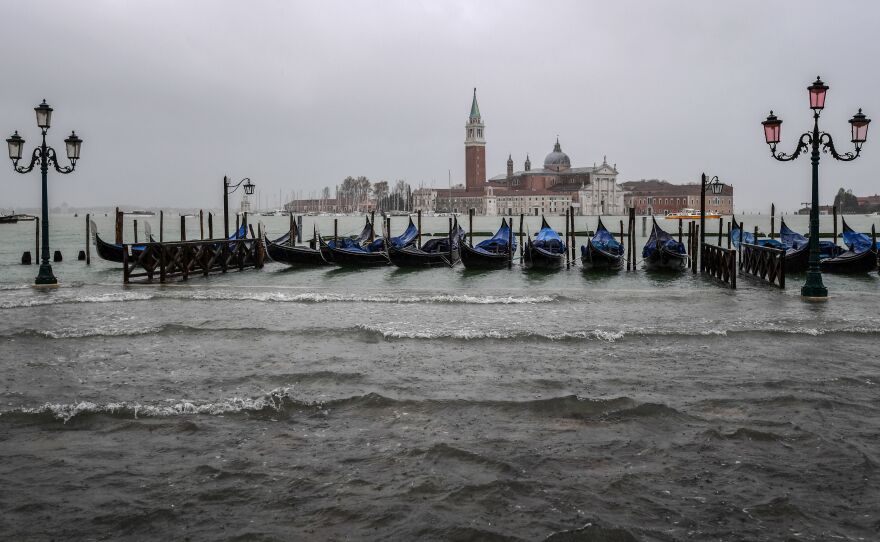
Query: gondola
x,y
434,253
663,252
113,252
493,253
861,256
738,235
281,250
547,251
602,251
363,253
797,249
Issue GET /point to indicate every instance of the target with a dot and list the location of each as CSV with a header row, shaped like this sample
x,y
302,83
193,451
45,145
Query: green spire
x,y
475,109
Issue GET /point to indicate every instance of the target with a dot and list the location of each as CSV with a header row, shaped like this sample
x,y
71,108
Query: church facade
x,y
549,190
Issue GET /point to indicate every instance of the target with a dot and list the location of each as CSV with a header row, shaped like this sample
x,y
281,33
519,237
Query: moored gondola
x,y
113,252
663,252
365,253
441,251
282,250
797,249
602,251
861,256
546,251
493,253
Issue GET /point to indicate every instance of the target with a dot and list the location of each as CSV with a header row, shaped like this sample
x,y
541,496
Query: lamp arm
x,y
803,144
234,188
827,143
35,157
53,159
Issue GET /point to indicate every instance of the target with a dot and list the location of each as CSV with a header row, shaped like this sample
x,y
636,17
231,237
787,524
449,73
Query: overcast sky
x,y
171,95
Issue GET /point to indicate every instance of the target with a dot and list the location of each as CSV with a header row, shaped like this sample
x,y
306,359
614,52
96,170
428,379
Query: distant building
x,y
549,190
655,197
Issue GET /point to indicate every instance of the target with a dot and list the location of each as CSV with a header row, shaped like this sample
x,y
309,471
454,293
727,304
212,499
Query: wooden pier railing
x,y
719,262
185,258
766,263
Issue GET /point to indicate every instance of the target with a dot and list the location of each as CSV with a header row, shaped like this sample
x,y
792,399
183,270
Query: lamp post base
x,y
45,277
814,292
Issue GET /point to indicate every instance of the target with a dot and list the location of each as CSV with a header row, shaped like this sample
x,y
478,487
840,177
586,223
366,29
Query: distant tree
x,y
846,201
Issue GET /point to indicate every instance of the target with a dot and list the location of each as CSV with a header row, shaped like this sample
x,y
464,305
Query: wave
x,y
115,297
393,331
281,297
611,410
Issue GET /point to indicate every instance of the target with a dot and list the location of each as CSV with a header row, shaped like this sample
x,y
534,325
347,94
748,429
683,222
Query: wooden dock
x,y
183,259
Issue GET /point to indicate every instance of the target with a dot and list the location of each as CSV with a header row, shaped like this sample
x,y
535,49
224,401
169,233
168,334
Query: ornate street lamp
x,y
717,187
46,156
248,189
813,287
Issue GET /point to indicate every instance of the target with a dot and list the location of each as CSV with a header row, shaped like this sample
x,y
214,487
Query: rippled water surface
x,y
438,405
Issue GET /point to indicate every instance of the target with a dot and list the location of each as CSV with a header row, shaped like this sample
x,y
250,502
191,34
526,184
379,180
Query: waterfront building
x,y
548,190
654,197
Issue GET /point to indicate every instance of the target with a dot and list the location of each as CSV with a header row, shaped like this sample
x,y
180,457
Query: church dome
x,y
557,160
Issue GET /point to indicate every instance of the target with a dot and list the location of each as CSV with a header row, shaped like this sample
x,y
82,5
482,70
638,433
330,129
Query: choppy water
x,y
437,405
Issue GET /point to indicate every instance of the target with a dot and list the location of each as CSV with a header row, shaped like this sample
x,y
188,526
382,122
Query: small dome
x,y
557,160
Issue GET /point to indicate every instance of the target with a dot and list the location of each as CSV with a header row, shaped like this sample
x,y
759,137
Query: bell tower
x,y
475,149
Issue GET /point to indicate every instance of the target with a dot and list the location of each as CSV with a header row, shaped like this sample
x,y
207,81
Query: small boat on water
x,y
365,253
797,249
15,218
140,213
690,214
493,253
860,256
602,251
546,251
284,250
440,251
663,252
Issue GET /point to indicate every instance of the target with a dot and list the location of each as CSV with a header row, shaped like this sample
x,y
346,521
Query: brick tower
x,y
474,150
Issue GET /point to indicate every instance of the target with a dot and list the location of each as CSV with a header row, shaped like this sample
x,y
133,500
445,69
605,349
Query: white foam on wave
x,y
396,331
111,331
321,297
66,411
114,297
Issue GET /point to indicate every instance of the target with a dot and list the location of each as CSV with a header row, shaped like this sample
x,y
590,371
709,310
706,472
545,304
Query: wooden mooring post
x,y
720,230
88,239
210,225
161,226
567,240
573,244
679,230
201,223
182,228
134,224
834,213
471,227
728,234
118,226
521,219
419,226
37,246
772,220
509,244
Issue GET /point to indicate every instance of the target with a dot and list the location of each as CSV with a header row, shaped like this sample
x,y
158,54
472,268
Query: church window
x,y
471,132
479,132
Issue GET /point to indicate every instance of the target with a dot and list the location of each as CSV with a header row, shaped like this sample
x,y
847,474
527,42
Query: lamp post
x,y
717,187
248,189
46,156
813,287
